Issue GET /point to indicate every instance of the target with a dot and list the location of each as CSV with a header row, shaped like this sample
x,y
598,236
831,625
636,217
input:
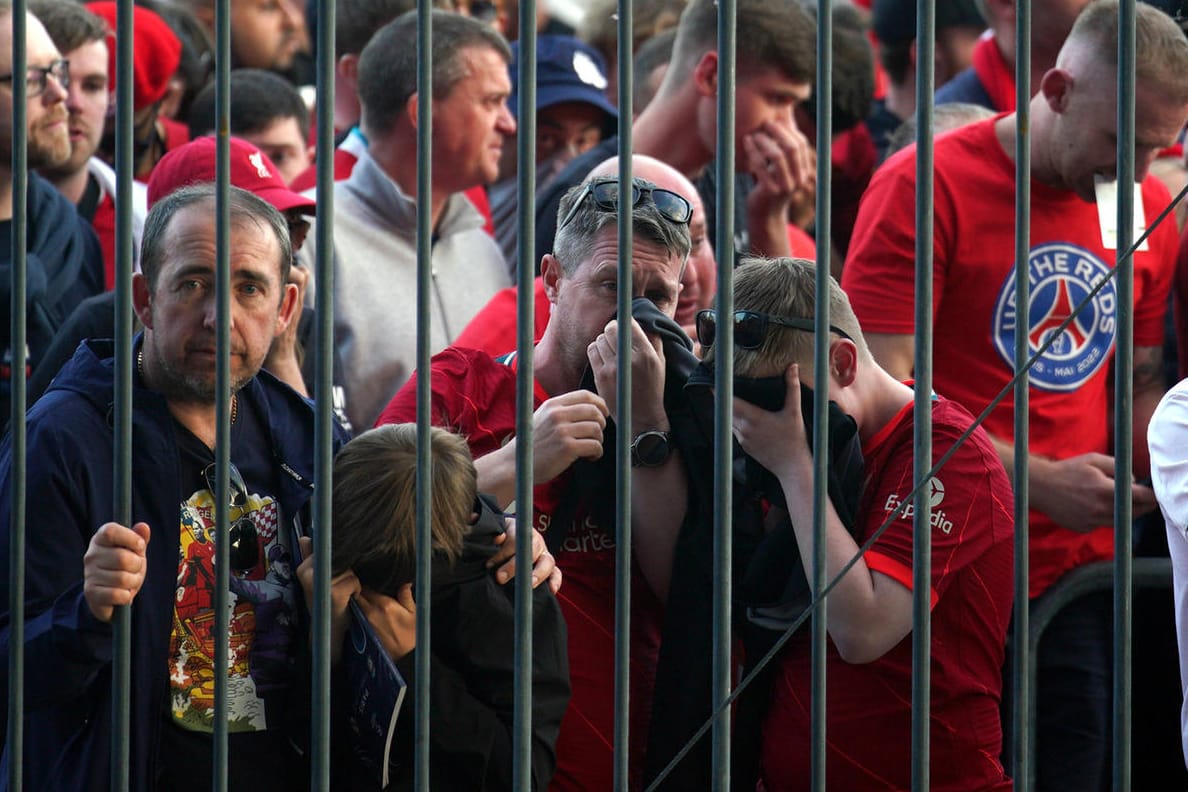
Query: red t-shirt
x,y
104,223
974,304
868,728
493,329
474,395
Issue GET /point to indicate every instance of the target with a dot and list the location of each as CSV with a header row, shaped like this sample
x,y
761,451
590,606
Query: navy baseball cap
x,y
567,70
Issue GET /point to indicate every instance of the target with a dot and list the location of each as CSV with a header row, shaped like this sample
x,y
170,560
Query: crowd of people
x,y
81,565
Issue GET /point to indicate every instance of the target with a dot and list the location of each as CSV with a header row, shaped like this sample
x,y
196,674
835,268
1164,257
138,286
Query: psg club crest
x,y
1061,276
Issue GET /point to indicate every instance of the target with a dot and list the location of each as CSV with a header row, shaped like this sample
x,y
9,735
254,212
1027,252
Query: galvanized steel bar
x,y
1124,402
921,529
424,482
724,383
525,376
821,367
223,397
16,608
122,449
623,419
323,403
1020,657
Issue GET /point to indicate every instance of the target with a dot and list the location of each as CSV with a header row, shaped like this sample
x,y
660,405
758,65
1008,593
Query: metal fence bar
x,y
623,438
222,560
424,482
921,528
1021,659
1124,403
323,402
20,184
525,376
724,383
821,367
122,451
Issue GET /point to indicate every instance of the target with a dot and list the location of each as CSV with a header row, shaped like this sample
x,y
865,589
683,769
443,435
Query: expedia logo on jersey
x,y
936,494
1061,276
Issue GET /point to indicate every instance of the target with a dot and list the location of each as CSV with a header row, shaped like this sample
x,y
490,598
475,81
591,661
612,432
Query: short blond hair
x,y
787,287
375,502
1161,48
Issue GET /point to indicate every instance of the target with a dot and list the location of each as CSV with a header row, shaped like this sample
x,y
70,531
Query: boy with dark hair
x,y
266,111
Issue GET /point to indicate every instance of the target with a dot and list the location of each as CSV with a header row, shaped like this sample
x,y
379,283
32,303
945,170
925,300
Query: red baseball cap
x,y
156,52
251,170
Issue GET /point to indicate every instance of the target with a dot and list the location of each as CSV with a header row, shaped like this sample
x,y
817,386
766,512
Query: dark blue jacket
x,y
68,653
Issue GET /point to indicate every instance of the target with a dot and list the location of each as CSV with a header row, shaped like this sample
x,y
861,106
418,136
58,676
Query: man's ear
x,y
843,362
348,68
142,299
411,107
705,74
550,275
289,309
1056,86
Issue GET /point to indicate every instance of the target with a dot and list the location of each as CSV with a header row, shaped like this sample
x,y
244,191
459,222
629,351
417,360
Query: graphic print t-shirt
x,y
263,599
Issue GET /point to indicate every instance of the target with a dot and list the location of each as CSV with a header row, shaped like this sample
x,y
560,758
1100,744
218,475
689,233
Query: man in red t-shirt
x,y
474,395
869,660
1074,145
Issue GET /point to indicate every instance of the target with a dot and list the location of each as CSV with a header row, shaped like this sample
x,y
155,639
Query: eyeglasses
x,y
750,327
37,77
244,540
605,194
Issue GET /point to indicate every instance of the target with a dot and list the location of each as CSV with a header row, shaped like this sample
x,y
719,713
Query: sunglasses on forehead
x,y
605,195
244,540
750,327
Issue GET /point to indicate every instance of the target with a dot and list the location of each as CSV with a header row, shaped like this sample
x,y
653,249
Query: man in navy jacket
x,y
79,565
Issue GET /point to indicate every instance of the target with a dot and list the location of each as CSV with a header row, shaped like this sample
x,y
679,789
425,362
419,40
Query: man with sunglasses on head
x,y
869,660
65,264
575,372
81,565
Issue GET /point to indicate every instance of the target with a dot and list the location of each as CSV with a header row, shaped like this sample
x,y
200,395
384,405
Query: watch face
x,y
651,449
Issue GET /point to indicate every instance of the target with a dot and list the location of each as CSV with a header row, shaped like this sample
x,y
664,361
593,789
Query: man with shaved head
x,y
1074,143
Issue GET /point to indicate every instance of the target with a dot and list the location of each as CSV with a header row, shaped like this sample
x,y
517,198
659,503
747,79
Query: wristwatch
x,y
650,448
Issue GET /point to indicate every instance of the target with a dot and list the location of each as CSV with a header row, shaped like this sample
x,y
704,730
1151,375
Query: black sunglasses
x,y
37,77
605,194
244,540
750,327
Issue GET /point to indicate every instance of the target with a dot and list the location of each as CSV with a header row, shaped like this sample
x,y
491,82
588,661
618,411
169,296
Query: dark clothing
x,y
965,87
472,677
882,123
64,267
68,651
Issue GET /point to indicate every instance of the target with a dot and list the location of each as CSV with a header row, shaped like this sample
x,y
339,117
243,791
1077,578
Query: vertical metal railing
x,y
922,432
525,377
1124,401
323,399
821,367
1020,659
724,385
424,480
623,535
223,397
20,182
1022,718
122,449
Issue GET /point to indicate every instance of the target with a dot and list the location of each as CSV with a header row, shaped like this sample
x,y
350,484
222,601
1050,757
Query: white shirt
x,y
1167,438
